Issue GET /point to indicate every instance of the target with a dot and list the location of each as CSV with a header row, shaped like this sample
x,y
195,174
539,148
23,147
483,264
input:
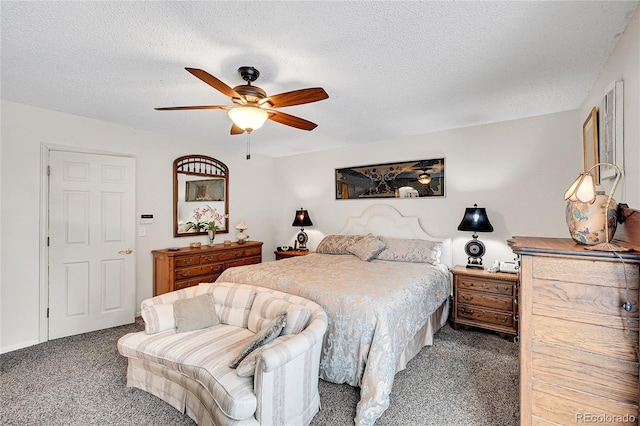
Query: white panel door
x,y
91,241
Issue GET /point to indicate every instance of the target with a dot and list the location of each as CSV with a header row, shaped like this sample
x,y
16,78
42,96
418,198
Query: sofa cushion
x,y
203,355
195,313
264,336
266,307
232,303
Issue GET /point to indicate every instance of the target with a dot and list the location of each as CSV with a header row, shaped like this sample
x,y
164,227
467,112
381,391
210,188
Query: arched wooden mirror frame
x,y
189,197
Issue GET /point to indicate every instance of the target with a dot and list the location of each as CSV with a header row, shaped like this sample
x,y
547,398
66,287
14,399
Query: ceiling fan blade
x,y
291,120
194,107
214,82
297,97
235,130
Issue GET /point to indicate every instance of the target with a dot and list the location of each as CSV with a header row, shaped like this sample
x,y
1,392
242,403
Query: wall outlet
x,y
142,231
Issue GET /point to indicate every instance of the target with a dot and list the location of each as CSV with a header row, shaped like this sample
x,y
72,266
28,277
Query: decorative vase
x,y
586,221
211,234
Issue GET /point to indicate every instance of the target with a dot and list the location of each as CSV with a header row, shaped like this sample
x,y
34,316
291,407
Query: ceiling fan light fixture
x,y
248,118
424,178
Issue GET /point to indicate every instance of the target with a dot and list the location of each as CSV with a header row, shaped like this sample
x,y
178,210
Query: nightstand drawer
x,y
488,300
472,283
485,315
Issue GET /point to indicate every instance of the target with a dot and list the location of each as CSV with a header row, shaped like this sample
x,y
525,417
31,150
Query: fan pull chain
x,y
248,146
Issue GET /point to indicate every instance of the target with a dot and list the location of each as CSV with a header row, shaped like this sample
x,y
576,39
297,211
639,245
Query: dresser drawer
x,y
195,281
253,251
222,256
488,300
181,262
198,270
245,261
485,315
498,287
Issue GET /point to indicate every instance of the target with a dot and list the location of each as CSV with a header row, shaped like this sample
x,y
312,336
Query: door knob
x,y
126,251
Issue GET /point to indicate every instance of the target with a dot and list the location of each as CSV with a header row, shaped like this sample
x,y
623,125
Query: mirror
x,y
200,195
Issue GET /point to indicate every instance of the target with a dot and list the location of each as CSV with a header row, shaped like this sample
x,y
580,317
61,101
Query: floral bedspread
x,y
374,309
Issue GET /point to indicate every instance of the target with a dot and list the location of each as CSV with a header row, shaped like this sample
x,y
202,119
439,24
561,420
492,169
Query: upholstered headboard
x,y
385,221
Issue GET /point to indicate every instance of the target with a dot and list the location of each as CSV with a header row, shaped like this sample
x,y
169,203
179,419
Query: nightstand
x,y
485,300
290,253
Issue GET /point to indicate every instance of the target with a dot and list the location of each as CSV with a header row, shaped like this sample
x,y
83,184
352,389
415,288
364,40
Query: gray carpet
x,y
466,378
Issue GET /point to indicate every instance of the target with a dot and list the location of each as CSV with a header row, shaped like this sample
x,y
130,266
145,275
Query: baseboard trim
x,y
22,345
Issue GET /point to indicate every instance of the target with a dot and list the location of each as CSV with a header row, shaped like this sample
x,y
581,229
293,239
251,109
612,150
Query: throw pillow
x,y
337,244
264,336
247,366
195,313
368,247
411,250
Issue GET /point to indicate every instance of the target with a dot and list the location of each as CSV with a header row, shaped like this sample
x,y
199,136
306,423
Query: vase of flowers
x,y
211,227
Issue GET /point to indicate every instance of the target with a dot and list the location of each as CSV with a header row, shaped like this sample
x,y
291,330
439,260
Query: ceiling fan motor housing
x,y
249,74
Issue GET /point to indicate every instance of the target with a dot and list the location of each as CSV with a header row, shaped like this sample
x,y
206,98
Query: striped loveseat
x,y
191,369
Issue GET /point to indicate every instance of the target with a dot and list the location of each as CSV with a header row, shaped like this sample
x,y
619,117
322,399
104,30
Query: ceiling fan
x,y
252,105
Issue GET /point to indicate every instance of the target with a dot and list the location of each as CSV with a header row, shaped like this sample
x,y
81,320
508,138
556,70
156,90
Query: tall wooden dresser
x,y
578,344
174,269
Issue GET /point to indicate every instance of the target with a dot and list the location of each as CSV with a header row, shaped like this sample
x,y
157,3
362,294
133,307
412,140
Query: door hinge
x,y
48,170
47,312
47,241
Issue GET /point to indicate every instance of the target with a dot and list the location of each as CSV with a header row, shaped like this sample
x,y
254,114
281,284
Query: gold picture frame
x,y
590,142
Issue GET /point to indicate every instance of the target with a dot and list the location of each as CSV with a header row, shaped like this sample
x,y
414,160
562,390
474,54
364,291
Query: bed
x,y
381,312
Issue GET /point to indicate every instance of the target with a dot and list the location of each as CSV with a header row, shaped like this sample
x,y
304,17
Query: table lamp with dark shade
x,y
475,220
302,219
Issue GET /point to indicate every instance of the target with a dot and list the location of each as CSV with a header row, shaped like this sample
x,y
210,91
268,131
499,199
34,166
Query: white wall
x,y
624,64
518,170
25,128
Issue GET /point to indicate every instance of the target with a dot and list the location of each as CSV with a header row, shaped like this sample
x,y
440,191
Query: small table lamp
x,y
475,220
302,219
590,218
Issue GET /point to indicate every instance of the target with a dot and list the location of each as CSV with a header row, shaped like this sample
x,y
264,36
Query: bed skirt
x,y
424,336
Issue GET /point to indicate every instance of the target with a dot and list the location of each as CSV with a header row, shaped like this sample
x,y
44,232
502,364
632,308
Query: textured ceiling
x,y
391,69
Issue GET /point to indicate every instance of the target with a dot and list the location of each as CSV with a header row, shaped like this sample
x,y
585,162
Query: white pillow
x,y
158,318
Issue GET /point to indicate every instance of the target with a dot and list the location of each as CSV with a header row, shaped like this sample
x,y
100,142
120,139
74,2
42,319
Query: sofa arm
x,y
282,353
286,377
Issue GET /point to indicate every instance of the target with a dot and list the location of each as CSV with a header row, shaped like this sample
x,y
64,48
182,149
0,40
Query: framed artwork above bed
x,y
406,179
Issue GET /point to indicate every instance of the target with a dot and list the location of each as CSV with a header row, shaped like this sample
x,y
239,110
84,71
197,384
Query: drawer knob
x,y
185,274
466,297
188,262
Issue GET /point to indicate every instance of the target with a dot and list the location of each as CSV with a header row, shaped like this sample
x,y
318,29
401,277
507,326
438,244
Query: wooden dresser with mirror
x,y
578,336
